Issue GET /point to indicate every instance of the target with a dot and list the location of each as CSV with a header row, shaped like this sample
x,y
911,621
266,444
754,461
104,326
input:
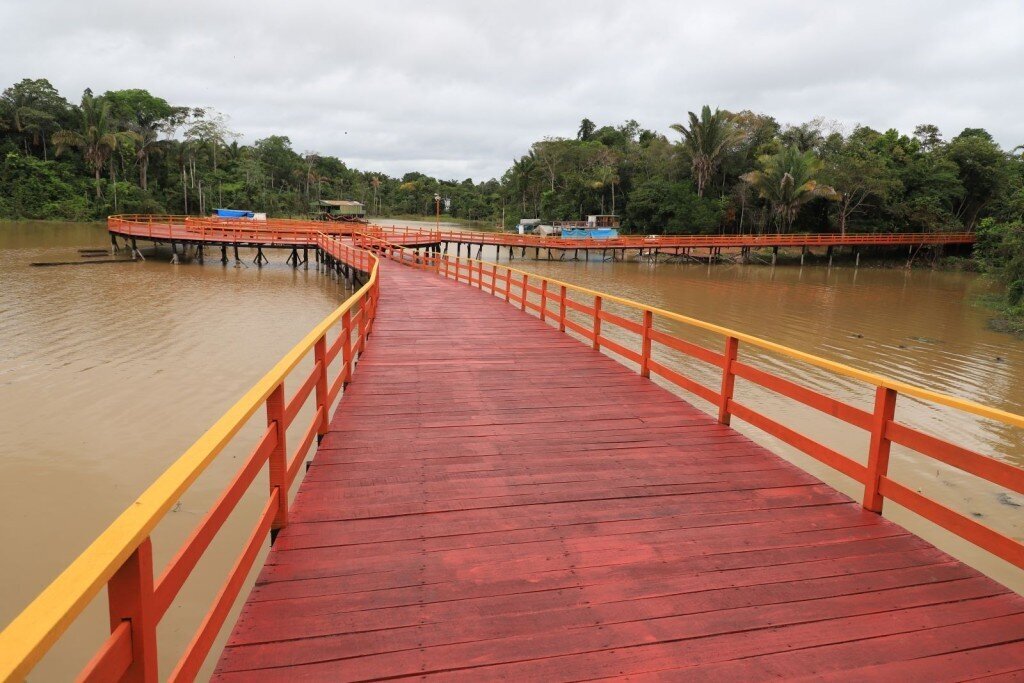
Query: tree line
x,y
129,151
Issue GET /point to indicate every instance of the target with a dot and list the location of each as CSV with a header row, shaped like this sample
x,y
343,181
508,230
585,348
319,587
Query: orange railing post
x,y
878,450
130,596
645,344
597,322
320,359
562,293
346,345
728,380
278,458
522,304
543,299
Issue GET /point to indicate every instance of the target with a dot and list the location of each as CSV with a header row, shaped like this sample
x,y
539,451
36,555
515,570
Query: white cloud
x,y
459,89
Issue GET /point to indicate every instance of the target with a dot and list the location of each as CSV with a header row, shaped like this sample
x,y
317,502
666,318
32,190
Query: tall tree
x,y
96,137
705,142
586,130
148,117
983,170
858,173
786,181
33,109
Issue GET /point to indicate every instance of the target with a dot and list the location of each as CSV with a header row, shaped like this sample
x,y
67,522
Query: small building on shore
x,y
339,210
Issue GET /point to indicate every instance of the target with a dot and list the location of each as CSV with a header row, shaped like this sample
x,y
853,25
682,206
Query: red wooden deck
x,y
498,501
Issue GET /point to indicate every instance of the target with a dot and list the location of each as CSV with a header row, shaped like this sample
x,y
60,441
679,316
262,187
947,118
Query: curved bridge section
x,y
294,234
494,499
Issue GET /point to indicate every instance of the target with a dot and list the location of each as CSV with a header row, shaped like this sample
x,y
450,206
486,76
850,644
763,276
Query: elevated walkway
x,y
484,509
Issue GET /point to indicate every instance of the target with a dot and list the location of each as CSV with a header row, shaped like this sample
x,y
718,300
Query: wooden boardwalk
x,y
499,501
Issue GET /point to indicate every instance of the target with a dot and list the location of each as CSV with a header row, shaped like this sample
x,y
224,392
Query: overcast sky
x,y
459,89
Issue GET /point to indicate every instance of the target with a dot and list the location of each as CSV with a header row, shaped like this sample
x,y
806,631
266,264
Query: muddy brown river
x,y
109,371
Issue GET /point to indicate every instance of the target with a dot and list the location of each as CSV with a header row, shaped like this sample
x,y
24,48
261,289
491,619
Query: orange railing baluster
x,y
320,363
645,344
728,380
130,598
278,457
543,299
562,293
346,346
879,447
597,323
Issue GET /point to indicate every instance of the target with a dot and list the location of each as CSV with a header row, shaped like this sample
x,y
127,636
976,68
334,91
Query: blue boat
x,y
233,213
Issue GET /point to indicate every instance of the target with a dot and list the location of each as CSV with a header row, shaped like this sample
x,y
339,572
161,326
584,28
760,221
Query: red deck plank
x,y
495,500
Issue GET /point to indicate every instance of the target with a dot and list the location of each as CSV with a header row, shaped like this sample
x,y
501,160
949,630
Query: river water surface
x,y
108,372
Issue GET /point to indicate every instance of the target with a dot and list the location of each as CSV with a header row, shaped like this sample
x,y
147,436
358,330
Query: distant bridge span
x,y
294,235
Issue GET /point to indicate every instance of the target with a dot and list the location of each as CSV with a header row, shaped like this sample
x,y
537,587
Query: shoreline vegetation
x,y
716,171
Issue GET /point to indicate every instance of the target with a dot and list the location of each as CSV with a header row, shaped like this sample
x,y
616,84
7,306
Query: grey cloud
x,y
458,89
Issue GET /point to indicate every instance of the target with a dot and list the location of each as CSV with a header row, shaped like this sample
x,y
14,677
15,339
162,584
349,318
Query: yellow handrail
x,y
35,630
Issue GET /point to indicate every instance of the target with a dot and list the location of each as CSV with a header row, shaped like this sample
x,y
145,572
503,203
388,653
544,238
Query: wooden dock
x,y
499,501
492,499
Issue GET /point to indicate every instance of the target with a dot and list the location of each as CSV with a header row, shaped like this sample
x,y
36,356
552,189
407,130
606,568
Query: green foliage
x,y
673,207
787,181
1000,251
32,188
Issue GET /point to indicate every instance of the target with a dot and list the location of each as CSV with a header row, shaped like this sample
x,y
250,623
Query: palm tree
x,y
375,184
524,172
96,138
605,177
786,181
706,141
147,144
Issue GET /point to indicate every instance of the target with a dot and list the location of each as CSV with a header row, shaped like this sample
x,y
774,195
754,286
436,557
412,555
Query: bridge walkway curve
x,y
497,500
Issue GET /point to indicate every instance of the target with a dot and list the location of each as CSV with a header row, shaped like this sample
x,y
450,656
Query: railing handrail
x,y
34,631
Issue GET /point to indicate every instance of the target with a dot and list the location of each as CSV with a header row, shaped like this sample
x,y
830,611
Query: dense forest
x,y
129,151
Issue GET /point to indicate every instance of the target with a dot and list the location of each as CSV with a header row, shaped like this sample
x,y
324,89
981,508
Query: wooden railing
x,y
707,241
121,558
281,231
585,312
